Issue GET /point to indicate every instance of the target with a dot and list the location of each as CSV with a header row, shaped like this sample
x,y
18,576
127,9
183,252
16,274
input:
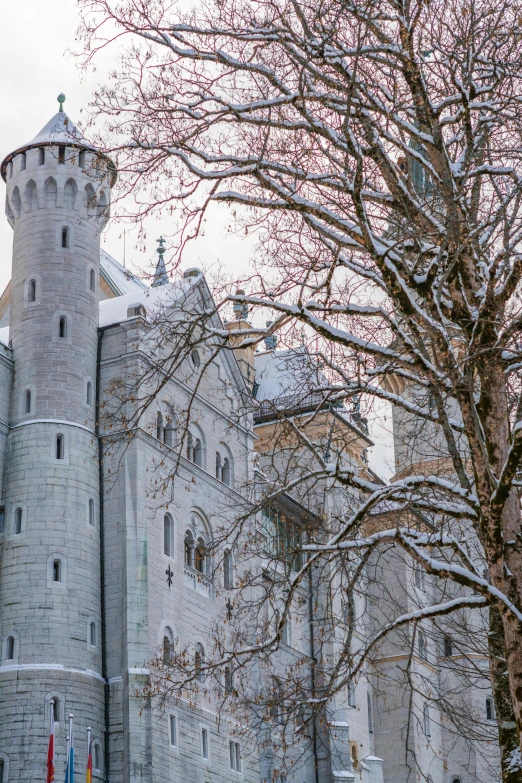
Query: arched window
x,y
18,521
423,646
159,426
218,465
65,237
2,771
352,702
370,711
168,641
31,194
448,647
490,709
51,192
168,535
228,570
57,570
170,429
91,512
92,280
69,193
196,361
97,757
32,291
56,709
199,661
200,556
188,548
229,679
89,393
426,720
62,327
41,156
92,634
198,453
226,473
10,648
59,446
27,401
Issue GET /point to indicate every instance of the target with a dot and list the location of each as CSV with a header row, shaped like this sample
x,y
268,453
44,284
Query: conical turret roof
x,y
59,130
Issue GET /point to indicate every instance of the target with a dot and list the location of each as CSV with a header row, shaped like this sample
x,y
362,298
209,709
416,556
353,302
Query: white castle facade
x,y
95,572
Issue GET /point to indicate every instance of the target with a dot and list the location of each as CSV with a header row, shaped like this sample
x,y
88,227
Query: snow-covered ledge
x,y
374,765
344,776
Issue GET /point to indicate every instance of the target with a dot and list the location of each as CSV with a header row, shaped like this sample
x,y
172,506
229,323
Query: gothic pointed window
x,y
97,757
59,446
490,709
62,327
32,291
18,521
198,453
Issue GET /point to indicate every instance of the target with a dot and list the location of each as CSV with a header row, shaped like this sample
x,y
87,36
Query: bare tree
x,y
375,147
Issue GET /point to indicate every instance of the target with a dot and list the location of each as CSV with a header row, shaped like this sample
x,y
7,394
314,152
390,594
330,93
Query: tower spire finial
x,y
160,276
61,100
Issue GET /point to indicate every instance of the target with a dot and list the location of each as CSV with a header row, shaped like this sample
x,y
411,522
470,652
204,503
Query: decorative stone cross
x,y
170,574
229,609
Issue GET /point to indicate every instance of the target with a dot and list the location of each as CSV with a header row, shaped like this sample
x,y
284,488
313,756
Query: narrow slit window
x,y
61,154
56,709
27,401
81,159
62,327
18,521
204,744
10,648
168,535
490,709
41,156
92,280
91,512
97,757
89,393
10,169
65,237
23,162
57,571
173,730
59,447
92,634
32,290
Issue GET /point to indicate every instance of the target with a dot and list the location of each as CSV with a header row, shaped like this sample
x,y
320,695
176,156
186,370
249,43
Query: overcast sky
x,y
35,67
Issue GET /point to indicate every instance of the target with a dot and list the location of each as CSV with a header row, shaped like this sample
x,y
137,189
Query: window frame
x,y
173,720
168,536
235,756
204,739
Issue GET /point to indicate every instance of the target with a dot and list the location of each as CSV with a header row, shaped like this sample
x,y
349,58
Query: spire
x,y
160,276
61,100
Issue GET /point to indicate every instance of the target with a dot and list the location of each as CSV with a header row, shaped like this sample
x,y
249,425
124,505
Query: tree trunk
x,y
507,725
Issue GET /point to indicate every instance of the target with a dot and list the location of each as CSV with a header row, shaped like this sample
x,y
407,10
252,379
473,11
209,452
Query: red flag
x,y
50,752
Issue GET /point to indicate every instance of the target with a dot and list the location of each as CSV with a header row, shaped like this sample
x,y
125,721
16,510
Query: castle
x,y
95,579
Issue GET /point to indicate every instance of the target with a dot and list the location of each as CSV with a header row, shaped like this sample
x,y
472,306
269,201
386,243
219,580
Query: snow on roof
x,y
154,300
285,373
59,130
120,279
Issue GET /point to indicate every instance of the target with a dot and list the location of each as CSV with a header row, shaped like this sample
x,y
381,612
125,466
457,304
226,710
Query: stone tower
x,y
58,190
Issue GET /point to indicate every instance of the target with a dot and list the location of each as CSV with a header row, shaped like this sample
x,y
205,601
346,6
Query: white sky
x,y
36,66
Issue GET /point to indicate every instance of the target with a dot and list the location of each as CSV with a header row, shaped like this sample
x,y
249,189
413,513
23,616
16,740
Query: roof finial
x,y
61,100
160,276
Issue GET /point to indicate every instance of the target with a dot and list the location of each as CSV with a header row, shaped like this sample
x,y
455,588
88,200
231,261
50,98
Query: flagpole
x,y
88,773
71,750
